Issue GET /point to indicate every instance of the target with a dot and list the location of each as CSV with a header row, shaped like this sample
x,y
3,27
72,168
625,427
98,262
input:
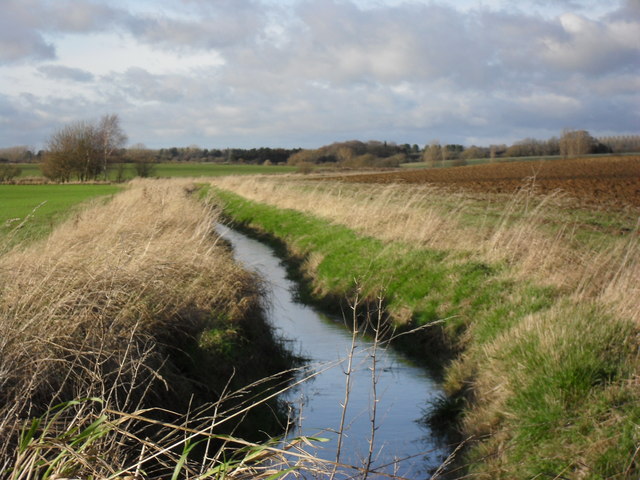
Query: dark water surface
x,y
403,389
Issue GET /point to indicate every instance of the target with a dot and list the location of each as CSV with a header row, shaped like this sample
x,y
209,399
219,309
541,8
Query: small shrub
x,y
9,172
305,167
144,168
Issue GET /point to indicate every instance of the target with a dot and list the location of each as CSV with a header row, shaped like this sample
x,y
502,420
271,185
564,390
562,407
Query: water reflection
x,y
402,389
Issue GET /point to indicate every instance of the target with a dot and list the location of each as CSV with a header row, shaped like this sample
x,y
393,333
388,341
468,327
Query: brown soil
x,y
602,181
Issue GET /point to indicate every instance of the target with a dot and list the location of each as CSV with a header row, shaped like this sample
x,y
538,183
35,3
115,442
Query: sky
x,y
306,73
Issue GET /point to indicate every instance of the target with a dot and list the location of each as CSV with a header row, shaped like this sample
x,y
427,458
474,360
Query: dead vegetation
x,y
537,236
119,304
550,390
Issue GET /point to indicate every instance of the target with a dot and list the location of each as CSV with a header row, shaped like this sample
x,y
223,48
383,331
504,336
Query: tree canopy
x,y
83,150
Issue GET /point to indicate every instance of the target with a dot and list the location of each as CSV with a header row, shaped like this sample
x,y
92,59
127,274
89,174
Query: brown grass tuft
x,y
524,230
96,309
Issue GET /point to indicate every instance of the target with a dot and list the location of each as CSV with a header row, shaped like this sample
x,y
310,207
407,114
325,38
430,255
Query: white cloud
x,y
60,72
307,72
593,47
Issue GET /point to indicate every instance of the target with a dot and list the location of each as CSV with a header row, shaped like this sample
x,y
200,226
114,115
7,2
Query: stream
x,y
403,444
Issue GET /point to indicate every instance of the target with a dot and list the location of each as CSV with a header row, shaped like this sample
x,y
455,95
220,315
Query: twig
x,y
347,386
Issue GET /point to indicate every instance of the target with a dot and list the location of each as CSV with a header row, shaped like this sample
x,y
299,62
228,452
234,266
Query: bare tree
x,y
143,159
73,151
576,142
111,138
17,154
445,154
83,149
433,153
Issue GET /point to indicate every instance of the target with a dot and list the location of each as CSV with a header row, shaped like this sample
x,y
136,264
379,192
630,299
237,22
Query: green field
x,y
30,170
215,170
30,211
179,170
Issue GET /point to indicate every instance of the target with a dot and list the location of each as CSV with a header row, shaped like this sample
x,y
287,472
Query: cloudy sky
x,y
249,73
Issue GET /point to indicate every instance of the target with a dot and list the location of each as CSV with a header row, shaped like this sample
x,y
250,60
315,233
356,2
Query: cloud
x,y
19,39
203,26
81,16
60,72
139,86
596,47
25,25
306,72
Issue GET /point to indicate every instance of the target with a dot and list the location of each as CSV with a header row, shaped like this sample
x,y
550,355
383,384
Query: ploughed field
x,y
602,180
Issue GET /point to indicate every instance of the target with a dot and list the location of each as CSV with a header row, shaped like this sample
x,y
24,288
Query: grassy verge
x,y
419,285
181,169
29,212
135,304
544,336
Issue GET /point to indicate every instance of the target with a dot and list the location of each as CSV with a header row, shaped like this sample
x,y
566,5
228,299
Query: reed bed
x,y
101,328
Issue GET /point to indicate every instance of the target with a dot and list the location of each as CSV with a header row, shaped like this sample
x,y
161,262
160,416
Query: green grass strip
x,y
177,169
419,285
29,212
570,410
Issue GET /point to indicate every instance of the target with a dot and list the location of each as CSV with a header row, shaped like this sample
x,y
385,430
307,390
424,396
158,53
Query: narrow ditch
x,y
403,444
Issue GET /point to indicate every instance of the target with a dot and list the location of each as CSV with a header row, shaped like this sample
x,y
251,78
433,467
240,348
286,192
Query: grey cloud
x,y
60,72
22,126
19,40
629,11
338,43
16,45
23,24
333,70
81,16
219,24
344,72
138,85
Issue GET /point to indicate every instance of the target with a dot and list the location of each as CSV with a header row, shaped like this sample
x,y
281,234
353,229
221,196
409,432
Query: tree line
x,y
88,150
256,156
571,143
358,154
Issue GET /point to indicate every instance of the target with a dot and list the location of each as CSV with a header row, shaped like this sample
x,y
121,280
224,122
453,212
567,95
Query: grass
x,y
29,212
134,303
133,346
420,285
181,169
547,239
30,170
213,170
482,161
541,309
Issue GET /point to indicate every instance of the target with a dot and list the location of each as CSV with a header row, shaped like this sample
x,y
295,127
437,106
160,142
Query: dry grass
x,y
92,320
95,309
553,390
514,229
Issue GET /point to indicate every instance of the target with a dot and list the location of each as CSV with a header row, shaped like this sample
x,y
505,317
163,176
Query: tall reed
x,y
112,305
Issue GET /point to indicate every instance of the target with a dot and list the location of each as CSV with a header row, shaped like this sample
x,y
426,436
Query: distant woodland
x,y
86,150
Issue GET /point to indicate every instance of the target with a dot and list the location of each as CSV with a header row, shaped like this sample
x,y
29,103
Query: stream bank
x,y
387,393
541,382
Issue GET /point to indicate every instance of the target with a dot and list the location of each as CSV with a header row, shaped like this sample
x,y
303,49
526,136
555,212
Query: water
x,y
403,389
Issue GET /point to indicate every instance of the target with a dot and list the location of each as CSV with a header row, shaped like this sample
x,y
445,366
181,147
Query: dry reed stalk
x,y
87,319
92,310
